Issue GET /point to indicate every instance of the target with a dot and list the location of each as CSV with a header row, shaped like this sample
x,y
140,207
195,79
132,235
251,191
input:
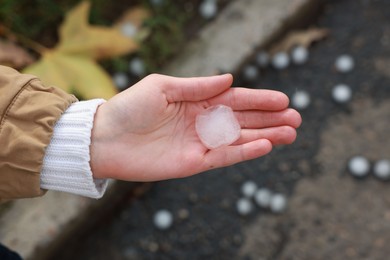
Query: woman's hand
x,y
147,132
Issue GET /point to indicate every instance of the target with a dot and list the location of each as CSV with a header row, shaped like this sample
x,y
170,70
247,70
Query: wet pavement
x,y
330,214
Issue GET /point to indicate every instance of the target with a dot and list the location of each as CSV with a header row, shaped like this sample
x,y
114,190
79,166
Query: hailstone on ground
x,y
278,203
280,60
341,93
248,188
128,29
137,67
359,166
250,72
263,197
163,219
262,59
382,169
344,63
244,206
300,99
208,9
121,80
299,55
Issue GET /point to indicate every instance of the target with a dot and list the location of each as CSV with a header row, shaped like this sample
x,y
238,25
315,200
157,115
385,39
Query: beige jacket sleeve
x,y
28,113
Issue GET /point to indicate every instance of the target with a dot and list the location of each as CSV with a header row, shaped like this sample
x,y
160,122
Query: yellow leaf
x,y
77,36
49,72
76,74
72,66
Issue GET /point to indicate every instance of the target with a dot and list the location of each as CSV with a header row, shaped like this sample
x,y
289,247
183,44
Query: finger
x,y
252,99
229,155
193,89
276,135
264,119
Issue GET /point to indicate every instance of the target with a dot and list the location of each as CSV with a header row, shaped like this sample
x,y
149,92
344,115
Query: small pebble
x,y
163,219
263,197
262,59
359,166
121,80
278,203
208,9
153,247
128,29
248,188
280,60
193,197
183,214
299,55
250,72
300,99
137,67
341,93
244,206
344,63
382,169
225,203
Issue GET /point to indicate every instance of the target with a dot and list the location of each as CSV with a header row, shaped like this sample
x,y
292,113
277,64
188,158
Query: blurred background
x,y
326,196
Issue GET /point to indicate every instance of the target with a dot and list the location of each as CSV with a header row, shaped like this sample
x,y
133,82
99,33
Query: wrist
x,y
98,134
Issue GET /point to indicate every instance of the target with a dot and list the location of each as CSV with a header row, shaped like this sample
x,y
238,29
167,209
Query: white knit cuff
x,y
66,163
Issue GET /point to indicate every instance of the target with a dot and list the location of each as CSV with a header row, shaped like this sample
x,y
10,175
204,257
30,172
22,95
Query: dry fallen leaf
x,y
299,38
78,37
72,65
75,74
14,56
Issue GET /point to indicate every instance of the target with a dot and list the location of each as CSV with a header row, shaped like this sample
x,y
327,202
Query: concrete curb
x,y
242,27
34,227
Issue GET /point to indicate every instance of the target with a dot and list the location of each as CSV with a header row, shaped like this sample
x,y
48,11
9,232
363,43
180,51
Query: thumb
x,y
195,89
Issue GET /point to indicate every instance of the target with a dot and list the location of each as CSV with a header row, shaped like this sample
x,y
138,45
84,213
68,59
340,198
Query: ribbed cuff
x,y
66,163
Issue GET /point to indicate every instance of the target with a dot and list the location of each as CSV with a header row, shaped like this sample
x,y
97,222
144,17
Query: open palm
x,y
147,132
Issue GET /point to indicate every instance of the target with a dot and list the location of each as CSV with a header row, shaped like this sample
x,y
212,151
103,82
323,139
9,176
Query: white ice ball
x,y
244,206
359,166
280,60
300,99
217,126
250,72
208,9
262,59
344,63
299,55
278,203
382,169
163,219
248,188
121,80
128,29
341,93
137,67
263,197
